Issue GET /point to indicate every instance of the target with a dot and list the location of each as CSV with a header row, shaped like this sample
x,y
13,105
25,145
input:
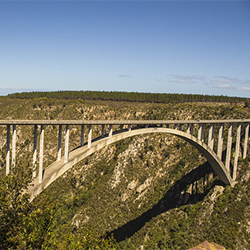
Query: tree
x,y
26,225
22,224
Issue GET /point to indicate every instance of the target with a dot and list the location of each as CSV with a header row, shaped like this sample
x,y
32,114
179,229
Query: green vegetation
x,y
127,96
26,225
23,225
152,191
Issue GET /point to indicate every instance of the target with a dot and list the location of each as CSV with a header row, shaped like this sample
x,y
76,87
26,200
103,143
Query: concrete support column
x,y
89,136
211,136
220,141
176,126
229,146
40,170
246,141
8,151
201,132
237,151
13,155
191,129
82,135
103,131
59,149
66,147
129,127
188,128
110,130
34,152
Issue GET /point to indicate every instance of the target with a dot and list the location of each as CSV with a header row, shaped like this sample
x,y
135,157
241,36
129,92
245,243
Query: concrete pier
x,y
220,141
40,170
229,146
237,151
66,147
8,151
82,135
246,141
110,130
103,130
59,148
211,136
34,152
201,132
13,155
90,136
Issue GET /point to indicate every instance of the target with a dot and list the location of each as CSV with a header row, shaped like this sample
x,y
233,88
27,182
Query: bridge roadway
x,y
118,122
191,131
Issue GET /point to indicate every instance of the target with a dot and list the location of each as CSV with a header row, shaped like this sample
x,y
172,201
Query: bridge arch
x,y
58,168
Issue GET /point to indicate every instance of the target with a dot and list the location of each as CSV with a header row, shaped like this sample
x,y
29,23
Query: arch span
x,y
56,169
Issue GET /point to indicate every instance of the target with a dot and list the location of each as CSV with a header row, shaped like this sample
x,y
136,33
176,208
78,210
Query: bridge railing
x,y
219,135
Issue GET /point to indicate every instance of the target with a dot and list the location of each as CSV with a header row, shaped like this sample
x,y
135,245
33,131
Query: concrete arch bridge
x,y
205,135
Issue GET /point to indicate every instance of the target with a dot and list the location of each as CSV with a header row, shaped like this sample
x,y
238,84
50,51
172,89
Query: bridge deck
x,y
117,122
193,132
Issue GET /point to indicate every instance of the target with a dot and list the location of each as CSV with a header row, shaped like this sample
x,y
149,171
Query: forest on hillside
x,y
128,96
145,192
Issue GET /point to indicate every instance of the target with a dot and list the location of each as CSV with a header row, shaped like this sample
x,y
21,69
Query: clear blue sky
x,y
200,47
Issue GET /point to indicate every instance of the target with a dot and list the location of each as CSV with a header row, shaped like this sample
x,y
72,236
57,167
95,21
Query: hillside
x,y
127,96
149,192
